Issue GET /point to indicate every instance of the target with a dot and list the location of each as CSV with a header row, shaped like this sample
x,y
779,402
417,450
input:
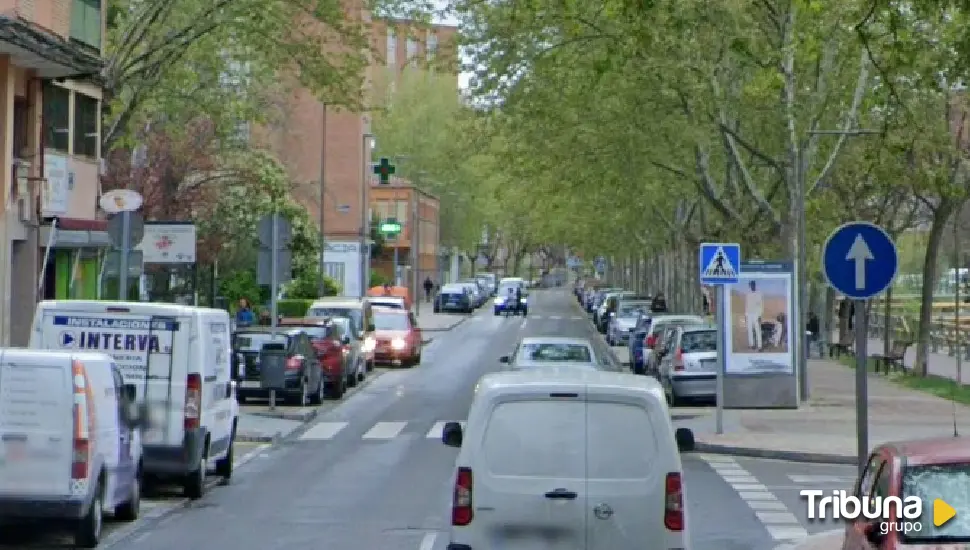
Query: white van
x,y
71,446
569,459
179,359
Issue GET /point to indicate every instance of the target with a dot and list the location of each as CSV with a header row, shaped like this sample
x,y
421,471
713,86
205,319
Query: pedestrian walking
x,y
428,288
814,330
244,315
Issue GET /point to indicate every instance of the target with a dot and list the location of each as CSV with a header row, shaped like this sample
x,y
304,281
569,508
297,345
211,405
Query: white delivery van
x,y
567,459
70,446
179,359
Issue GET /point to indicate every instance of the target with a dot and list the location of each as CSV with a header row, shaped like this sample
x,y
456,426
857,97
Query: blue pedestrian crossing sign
x,y
860,260
720,263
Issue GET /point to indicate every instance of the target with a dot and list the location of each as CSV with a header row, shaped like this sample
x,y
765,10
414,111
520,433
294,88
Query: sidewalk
x,y
940,363
823,429
430,321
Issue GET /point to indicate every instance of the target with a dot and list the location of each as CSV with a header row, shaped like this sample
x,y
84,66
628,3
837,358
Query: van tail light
x,y
193,401
292,363
651,341
83,424
679,359
674,503
461,506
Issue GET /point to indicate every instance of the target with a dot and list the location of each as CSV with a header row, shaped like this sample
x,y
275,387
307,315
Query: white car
x,y
551,451
553,351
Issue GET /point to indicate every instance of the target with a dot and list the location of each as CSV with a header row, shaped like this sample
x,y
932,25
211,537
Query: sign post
x,y
124,202
390,228
274,264
860,260
719,265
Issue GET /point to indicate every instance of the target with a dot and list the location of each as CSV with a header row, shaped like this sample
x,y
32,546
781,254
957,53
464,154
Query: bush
x,y
293,307
305,286
378,279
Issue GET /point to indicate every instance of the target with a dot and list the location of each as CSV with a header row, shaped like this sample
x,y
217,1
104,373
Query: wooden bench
x,y
893,361
837,349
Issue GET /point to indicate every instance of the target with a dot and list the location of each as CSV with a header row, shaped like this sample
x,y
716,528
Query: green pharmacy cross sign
x,y
384,169
390,227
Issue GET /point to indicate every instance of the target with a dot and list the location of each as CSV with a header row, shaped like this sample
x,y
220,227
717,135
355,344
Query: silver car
x,y
659,324
689,369
622,324
553,351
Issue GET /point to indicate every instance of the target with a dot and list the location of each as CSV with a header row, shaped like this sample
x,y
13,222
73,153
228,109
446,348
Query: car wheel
x,y
129,510
224,464
362,371
194,483
88,531
352,379
303,398
338,388
317,397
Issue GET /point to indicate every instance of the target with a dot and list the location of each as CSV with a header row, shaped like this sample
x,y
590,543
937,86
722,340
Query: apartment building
x,y
319,143
400,201
50,62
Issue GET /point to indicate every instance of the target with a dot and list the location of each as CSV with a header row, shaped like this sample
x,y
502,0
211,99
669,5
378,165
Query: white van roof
x,y
339,301
533,381
142,308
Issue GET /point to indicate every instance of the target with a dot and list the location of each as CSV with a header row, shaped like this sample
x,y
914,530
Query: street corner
x,y
828,540
756,447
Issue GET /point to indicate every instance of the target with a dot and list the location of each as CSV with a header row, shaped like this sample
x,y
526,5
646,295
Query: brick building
x,y
50,57
397,201
308,131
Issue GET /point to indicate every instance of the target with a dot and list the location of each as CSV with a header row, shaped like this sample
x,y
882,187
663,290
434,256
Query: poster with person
x,y
759,324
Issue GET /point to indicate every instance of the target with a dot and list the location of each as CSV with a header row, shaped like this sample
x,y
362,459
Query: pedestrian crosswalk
x,y
380,431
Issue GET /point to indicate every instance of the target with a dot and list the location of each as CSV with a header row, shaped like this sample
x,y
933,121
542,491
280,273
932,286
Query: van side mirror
x,y
345,340
130,392
371,327
505,359
451,435
685,440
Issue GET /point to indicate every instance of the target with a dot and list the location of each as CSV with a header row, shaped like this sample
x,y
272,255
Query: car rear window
x,y
351,312
575,353
317,332
536,439
661,325
254,341
947,482
390,321
698,341
622,442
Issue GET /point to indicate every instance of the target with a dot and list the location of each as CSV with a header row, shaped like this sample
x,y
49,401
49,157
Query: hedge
x,y
290,307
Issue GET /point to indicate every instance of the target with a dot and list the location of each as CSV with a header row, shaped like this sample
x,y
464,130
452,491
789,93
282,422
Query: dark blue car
x,y
635,344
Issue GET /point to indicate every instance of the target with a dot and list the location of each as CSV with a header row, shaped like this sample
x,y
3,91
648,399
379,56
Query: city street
x,y
370,472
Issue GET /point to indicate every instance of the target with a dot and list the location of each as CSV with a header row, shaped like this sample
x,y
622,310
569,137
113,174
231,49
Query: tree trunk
x,y
933,242
887,321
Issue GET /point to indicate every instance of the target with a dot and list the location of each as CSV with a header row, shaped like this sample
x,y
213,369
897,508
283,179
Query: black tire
x,y
128,511
417,360
302,399
352,379
337,389
318,395
194,483
437,309
87,532
225,464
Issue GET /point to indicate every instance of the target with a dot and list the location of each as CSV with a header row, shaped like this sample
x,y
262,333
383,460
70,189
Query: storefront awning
x,y
74,238
50,55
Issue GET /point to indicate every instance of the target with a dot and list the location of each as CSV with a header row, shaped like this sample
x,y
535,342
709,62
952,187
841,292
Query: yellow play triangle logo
x,y
942,512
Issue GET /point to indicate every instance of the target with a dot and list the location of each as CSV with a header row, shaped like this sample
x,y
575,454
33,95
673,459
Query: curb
x,y
301,416
789,456
446,329
258,438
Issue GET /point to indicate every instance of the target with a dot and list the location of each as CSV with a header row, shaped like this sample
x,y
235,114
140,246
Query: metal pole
x,y
274,283
721,361
125,249
365,216
416,249
956,298
321,290
861,384
801,286
397,242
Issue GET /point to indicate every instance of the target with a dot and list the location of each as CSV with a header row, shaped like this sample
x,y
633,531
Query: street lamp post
x,y
365,229
321,290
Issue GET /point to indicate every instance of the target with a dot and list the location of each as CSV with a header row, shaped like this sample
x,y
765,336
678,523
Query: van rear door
x,y
36,425
528,477
627,463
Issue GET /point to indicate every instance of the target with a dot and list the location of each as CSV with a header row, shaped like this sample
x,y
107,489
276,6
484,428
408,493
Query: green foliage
x,y
293,307
306,286
378,279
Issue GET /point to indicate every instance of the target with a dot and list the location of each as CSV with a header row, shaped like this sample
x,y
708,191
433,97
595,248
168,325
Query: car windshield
x,y
316,332
350,312
505,290
947,482
254,341
344,324
385,321
633,310
573,353
698,341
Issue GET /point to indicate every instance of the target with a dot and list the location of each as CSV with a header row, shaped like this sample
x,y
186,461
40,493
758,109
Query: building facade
x,y
50,62
319,143
400,201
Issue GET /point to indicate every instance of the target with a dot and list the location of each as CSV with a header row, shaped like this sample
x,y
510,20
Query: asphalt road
x,y
371,471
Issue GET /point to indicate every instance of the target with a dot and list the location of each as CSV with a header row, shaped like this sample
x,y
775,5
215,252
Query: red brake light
x,y
293,364
651,341
193,401
461,507
674,503
679,359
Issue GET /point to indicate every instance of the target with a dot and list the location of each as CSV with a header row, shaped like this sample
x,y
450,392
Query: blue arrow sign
x,y
860,260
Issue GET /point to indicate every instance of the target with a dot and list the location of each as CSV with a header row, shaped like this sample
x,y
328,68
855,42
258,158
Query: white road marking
x,y
786,532
427,542
813,480
385,430
729,471
766,505
576,318
748,487
756,495
555,317
439,428
250,455
323,431
740,479
783,518
717,458
535,316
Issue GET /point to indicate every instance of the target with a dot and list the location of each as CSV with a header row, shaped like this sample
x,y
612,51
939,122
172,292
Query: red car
x,y
929,469
398,338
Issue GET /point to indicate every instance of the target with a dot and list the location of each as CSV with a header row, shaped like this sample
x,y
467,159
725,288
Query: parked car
x,y
658,325
689,369
552,352
635,342
338,347
476,294
610,300
399,339
624,320
304,375
454,297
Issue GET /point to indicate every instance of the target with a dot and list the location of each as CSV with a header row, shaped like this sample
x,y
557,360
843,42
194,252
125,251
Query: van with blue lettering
x,y
70,443
179,360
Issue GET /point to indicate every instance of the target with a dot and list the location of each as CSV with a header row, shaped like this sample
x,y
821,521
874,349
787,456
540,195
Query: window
x,y
57,120
391,56
85,125
932,481
334,270
86,22
544,439
401,212
432,47
623,443
412,51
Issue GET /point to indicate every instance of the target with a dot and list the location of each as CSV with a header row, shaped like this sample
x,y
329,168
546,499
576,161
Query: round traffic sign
x,y
120,200
860,260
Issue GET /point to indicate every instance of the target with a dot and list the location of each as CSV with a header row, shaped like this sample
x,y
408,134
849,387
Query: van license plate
x,y
250,384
